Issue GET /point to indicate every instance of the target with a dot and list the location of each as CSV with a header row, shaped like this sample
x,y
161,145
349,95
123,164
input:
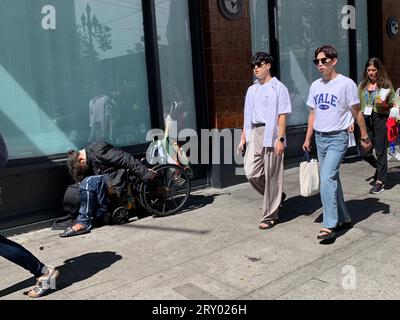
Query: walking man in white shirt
x,y
266,107
333,102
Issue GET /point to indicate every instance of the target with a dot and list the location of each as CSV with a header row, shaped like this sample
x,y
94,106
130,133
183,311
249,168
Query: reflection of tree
x,y
308,32
92,31
138,48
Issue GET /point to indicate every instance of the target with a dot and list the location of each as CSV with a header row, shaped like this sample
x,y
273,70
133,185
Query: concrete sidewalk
x,y
215,250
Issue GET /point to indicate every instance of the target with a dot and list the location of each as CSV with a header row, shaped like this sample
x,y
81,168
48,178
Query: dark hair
x,y
76,170
330,52
382,79
261,56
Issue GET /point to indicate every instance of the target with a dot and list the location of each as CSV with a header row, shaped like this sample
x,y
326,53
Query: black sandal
x,y
326,234
268,224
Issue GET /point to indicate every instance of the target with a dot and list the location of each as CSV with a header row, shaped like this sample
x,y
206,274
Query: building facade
x,y
72,72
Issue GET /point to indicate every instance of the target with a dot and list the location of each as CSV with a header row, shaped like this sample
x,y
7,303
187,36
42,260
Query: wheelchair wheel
x,y
120,215
168,192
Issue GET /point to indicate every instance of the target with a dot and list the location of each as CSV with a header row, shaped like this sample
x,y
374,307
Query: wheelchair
x,y
165,195
168,192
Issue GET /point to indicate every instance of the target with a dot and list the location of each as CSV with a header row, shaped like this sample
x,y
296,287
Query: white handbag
x,y
309,176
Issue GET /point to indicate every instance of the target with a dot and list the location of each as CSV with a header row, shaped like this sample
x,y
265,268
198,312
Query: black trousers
x,y
377,132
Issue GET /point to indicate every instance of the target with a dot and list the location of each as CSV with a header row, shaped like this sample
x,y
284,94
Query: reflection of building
x,y
145,56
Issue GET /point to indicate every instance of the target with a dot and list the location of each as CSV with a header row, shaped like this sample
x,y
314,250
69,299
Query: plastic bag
x,y
164,151
309,176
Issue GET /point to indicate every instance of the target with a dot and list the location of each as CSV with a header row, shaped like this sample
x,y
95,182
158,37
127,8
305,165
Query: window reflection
x,y
304,25
83,79
175,54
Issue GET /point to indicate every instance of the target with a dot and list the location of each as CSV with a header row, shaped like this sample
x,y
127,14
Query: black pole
x,y
375,27
274,36
153,64
353,48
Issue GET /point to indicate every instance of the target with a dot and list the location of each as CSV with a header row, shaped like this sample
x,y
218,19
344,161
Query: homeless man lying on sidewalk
x,y
98,168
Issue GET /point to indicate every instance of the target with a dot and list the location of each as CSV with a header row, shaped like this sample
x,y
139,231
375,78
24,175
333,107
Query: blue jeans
x,y
331,150
93,198
17,254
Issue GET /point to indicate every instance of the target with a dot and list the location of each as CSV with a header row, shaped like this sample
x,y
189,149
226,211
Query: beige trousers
x,y
264,170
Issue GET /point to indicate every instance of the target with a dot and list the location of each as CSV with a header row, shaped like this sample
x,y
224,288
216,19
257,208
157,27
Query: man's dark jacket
x,y
104,158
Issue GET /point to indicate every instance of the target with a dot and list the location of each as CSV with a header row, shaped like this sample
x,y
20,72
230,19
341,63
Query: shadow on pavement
x,y
359,210
197,201
166,229
298,206
73,270
18,287
194,202
85,266
393,178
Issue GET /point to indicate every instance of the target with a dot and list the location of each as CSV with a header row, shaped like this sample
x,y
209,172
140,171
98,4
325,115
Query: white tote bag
x,y
309,176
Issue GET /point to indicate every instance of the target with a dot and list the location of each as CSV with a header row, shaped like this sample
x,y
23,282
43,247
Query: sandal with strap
x,y
268,224
37,291
71,231
326,234
44,283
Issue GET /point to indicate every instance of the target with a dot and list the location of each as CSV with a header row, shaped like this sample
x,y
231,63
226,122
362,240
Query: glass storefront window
x,y
301,28
175,54
71,72
259,26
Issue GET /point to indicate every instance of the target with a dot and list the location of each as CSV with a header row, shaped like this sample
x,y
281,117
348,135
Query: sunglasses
x,y
323,61
258,64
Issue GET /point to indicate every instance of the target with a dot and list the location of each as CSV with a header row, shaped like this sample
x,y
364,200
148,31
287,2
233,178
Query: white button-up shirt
x,y
264,103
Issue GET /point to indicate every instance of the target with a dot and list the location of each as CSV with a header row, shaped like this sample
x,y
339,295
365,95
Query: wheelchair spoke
x,y
170,180
173,200
167,193
178,194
